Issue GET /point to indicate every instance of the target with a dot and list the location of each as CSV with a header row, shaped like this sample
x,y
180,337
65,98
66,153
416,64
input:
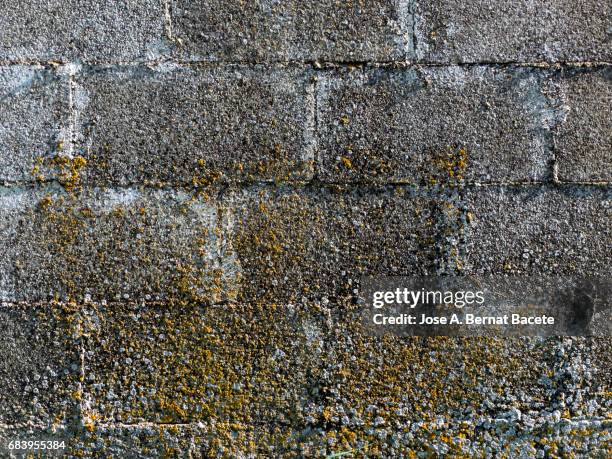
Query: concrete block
x,y
503,386
195,126
584,141
84,31
35,116
316,243
224,365
507,31
387,381
124,244
434,126
539,231
40,365
264,30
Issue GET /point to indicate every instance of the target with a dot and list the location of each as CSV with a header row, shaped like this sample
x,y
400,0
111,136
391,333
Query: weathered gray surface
x,y
434,125
513,31
178,125
34,118
39,365
203,183
233,363
264,30
513,391
215,366
68,30
584,141
109,245
539,230
294,244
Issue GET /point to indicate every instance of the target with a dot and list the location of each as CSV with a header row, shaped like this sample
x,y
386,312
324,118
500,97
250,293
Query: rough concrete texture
x,y
191,191
308,380
434,125
539,231
512,31
201,125
233,367
427,394
109,245
265,30
35,118
77,30
584,142
226,364
342,234
40,365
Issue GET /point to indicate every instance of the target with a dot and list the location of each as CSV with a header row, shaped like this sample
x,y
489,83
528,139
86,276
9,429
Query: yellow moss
x,y
347,162
45,202
66,170
450,166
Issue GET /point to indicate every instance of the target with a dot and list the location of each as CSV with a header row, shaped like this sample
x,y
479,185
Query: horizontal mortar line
x,y
191,425
197,425
30,425
178,185
35,303
314,64
545,64
86,305
324,64
255,425
365,185
221,188
546,183
146,424
415,185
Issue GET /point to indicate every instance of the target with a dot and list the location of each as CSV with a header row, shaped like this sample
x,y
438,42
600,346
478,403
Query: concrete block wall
x,y
190,192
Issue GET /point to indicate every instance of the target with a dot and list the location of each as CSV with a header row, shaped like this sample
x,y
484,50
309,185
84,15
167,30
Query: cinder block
x,y
40,365
35,118
584,141
539,231
223,365
381,381
317,243
309,373
123,244
506,31
84,31
233,30
434,126
196,126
